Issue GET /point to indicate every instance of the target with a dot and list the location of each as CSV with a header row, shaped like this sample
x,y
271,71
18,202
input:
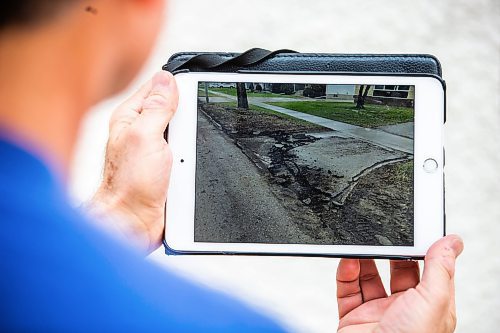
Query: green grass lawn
x,y
232,92
227,91
370,116
227,104
201,93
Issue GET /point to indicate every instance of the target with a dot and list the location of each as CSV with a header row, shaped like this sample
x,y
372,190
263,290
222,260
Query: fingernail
x,y
457,245
161,80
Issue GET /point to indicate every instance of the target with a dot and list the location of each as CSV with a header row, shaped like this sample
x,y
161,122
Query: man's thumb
x,y
439,268
161,103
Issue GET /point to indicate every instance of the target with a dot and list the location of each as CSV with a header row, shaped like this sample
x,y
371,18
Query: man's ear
x,y
151,3
145,8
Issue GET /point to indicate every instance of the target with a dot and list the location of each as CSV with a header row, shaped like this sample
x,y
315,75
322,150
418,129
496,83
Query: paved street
x,y
234,200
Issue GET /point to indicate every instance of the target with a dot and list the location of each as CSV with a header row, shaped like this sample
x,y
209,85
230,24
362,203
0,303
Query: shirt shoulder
x,y
61,274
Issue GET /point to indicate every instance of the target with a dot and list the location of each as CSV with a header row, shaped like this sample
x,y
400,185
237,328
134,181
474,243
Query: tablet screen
x,y
290,163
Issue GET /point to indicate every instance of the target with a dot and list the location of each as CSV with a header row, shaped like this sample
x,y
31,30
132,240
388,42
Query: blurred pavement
x,y
464,35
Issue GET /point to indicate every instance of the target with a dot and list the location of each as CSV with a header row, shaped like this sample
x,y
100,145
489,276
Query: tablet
x,y
306,164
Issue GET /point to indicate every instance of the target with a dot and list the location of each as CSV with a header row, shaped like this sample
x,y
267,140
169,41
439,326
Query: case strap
x,y
211,61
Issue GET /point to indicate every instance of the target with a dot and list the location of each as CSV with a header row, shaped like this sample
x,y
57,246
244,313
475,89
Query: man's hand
x,y
413,306
131,199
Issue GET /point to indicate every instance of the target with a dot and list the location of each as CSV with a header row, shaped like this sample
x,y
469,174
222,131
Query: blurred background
x,y
464,35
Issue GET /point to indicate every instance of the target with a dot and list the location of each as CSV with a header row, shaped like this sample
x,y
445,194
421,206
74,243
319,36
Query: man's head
x,y
60,57
112,36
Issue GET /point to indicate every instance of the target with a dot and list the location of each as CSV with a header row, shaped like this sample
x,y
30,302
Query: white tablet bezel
x,y
428,186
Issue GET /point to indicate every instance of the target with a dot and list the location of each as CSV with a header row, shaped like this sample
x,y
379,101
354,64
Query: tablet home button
x,y
430,165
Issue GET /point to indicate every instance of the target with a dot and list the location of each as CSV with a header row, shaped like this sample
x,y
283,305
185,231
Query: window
x,y
390,94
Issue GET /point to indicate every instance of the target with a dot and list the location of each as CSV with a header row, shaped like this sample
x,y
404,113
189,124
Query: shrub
x,y
282,88
314,90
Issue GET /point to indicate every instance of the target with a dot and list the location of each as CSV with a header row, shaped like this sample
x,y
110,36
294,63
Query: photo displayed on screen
x,y
304,164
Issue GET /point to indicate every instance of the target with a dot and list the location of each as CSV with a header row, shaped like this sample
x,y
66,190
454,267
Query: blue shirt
x,y
57,273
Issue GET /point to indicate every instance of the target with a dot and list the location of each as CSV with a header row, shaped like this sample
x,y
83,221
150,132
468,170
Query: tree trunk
x,y
366,92
360,102
206,93
241,92
363,92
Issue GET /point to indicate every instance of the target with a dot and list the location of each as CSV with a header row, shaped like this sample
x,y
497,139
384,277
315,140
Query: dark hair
x,y
28,12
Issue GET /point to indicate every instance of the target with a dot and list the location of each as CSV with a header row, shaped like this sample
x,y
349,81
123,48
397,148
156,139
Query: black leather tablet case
x,y
287,61
291,62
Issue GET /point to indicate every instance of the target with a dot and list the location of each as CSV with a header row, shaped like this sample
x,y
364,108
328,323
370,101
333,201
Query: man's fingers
x,y
129,110
370,281
439,268
160,104
154,104
348,290
404,275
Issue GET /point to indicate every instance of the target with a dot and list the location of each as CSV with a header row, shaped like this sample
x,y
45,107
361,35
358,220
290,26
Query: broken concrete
x,y
337,189
341,160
